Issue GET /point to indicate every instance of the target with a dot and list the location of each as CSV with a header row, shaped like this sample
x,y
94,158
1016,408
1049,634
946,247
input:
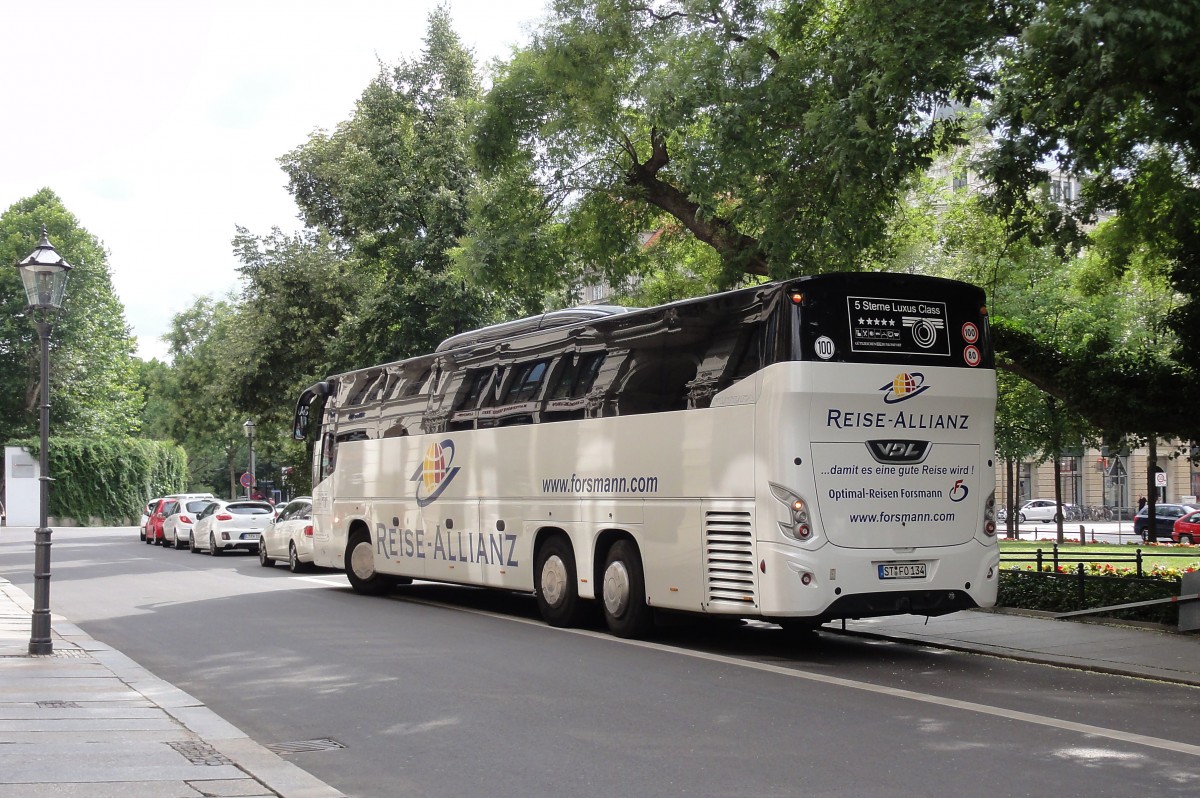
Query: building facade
x,y
1096,479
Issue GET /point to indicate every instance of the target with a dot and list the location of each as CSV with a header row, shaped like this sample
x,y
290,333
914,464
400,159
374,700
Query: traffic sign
x,y
246,480
1160,479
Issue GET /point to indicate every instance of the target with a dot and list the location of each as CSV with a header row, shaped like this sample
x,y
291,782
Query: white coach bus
x,y
799,451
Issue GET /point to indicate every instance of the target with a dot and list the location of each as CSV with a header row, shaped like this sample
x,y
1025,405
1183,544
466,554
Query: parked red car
x,y
154,525
1187,528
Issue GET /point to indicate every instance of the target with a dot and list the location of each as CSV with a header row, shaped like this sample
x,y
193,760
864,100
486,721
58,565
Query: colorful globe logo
x,y
433,470
904,386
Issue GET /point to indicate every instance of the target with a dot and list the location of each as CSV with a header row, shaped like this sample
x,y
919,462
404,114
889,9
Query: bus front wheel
x,y
557,586
625,609
360,567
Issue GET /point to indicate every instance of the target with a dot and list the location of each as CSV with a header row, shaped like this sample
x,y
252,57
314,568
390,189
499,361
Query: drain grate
x,y
200,753
59,704
305,746
58,653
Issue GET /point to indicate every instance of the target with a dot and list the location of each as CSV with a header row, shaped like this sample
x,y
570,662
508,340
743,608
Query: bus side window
x,y
577,376
525,382
328,454
656,382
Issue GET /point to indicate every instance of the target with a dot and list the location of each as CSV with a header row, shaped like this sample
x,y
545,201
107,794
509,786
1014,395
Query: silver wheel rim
x,y
616,588
293,558
554,580
362,561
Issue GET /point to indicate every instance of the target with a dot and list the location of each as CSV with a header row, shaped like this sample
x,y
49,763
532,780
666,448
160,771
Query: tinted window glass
x,y
250,509
478,382
525,382
577,376
196,505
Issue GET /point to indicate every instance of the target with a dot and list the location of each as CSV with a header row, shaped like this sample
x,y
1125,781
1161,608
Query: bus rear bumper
x,y
833,582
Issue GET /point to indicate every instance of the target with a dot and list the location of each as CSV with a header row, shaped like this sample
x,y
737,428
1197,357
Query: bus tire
x,y
557,583
624,591
360,566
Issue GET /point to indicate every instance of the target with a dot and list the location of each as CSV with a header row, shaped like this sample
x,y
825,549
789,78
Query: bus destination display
x,y
897,326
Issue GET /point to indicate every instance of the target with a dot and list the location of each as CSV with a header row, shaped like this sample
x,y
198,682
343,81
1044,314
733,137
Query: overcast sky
x,y
159,123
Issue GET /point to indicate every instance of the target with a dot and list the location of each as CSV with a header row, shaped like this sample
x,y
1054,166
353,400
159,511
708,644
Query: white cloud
x,y
159,124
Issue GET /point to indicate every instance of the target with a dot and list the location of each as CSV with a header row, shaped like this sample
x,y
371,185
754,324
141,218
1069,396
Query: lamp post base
x,y
40,641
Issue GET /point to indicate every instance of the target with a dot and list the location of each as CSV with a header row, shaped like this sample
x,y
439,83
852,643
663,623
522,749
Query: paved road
x,y
441,691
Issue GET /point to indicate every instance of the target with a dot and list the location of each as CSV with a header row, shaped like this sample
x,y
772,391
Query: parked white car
x,y
237,524
1040,510
177,526
289,536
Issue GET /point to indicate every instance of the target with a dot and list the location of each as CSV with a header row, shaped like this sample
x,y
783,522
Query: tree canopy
x,y
92,368
779,135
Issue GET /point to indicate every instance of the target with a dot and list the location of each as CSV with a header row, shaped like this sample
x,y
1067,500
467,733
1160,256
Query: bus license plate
x,y
902,570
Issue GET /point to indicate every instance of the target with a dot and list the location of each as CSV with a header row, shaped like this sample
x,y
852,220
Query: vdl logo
x,y
903,387
435,473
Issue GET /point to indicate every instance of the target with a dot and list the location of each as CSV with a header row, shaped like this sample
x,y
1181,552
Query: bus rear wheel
x,y
557,585
624,590
360,567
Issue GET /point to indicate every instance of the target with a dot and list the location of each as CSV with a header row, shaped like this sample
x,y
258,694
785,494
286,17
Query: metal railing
x,y
1056,558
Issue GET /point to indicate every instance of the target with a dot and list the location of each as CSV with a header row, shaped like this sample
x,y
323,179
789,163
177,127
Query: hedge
x,y
1060,592
110,479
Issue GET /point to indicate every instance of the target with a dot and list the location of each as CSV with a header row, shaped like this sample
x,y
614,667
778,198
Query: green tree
x,y
392,184
297,290
155,379
1106,89
206,421
779,136
93,375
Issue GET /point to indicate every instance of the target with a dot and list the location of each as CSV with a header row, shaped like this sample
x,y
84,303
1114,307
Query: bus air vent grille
x,y
729,557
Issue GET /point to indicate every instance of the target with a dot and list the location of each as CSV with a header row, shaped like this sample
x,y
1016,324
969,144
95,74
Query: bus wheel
x,y
625,609
799,630
556,588
360,567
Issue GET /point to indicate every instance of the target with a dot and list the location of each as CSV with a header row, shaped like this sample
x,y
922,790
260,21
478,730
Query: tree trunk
x,y
1152,492
1010,500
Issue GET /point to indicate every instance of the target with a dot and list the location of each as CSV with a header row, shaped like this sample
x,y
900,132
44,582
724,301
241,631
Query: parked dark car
x,y
1165,516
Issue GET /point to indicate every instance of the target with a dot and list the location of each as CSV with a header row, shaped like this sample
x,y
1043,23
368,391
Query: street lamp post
x,y
44,275
248,427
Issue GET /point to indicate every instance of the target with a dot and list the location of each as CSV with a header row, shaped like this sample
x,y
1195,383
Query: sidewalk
x,y
88,721
1102,647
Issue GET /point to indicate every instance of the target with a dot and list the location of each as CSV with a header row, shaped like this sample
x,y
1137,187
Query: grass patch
x,y
1119,555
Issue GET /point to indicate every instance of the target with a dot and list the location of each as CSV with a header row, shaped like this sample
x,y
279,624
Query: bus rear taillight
x,y
989,515
797,525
